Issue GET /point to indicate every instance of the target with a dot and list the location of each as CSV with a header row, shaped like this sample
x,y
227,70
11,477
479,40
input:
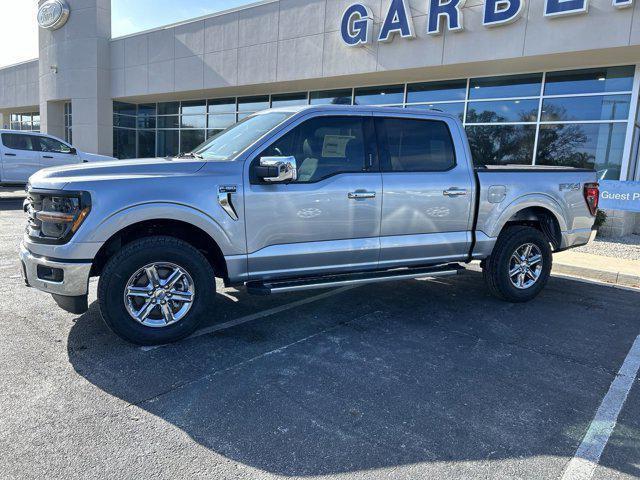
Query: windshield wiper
x,y
191,155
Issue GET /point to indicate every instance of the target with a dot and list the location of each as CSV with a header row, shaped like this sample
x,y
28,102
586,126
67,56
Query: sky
x,y
18,21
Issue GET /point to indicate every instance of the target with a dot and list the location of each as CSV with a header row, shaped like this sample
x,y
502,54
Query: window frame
x,y
382,140
368,138
35,142
44,137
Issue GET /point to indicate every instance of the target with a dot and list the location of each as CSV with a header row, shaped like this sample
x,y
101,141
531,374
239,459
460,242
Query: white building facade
x,y
547,82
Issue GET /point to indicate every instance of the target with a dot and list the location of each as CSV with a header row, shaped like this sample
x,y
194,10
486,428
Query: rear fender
x,y
499,217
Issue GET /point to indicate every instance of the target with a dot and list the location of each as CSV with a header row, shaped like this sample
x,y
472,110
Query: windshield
x,y
228,143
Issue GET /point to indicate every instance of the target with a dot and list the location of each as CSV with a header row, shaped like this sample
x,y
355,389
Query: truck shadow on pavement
x,y
390,375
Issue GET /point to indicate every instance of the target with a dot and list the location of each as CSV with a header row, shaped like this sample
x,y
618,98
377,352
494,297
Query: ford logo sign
x,y
53,14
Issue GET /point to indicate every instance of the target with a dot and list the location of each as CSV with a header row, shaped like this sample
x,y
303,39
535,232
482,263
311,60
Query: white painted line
x,y
586,458
258,315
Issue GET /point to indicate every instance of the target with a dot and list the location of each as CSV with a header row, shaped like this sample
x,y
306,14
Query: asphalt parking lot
x,y
416,379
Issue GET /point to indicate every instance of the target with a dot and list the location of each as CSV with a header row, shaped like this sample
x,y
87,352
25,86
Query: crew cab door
x,y
427,199
20,158
54,153
328,220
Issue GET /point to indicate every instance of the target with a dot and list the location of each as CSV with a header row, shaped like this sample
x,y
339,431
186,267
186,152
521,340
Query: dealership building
x,y
545,82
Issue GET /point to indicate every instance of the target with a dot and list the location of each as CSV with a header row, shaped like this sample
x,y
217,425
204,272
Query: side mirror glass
x,y
277,169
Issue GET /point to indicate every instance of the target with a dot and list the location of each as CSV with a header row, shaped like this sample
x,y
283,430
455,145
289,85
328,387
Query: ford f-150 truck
x,y
295,199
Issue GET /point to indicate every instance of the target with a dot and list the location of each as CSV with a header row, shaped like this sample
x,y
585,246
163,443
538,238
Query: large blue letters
x,y
555,8
449,11
398,20
357,25
499,12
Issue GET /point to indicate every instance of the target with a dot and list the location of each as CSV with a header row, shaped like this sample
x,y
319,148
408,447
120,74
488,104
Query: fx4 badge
x,y
569,186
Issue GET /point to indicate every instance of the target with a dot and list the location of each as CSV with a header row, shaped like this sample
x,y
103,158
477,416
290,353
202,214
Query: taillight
x,y
592,195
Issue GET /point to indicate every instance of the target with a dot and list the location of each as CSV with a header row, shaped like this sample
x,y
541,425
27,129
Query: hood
x,y
92,157
59,177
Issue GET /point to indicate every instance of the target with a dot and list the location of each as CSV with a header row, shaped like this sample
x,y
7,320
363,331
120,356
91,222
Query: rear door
x,y
427,193
329,219
54,153
20,158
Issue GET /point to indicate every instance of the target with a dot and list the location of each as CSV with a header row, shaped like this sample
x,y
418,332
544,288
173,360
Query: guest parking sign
x,y
620,195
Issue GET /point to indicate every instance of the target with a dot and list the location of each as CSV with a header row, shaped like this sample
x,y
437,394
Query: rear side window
x,y
412,145
18,142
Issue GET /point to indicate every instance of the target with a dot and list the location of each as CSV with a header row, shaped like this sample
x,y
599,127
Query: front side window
x,y
53,146
323,147
230,142
410,145
18,142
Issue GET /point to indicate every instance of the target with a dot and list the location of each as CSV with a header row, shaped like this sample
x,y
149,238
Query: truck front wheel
x,y
156,290
520,264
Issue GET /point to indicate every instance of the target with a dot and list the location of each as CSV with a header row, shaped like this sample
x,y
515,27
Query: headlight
x,y
55,216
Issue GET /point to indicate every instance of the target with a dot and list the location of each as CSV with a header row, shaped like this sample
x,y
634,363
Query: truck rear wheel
x,y
520,264
156,290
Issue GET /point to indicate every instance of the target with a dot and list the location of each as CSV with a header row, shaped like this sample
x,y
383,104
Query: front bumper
x,y
75,275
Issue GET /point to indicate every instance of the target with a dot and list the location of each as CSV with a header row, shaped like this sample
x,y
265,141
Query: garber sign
x,y
357,20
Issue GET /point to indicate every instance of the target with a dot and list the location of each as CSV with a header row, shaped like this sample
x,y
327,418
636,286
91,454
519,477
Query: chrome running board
x,y
282,286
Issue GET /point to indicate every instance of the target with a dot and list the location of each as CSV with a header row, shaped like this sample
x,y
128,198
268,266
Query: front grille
x,y
33,204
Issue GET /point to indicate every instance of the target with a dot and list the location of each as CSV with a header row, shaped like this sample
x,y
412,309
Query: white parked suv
x,y
24,153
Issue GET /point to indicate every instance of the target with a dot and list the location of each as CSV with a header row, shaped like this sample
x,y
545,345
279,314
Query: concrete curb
x,y
613,277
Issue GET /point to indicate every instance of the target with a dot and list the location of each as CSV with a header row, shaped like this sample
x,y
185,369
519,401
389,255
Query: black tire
x,y
133,257
497,266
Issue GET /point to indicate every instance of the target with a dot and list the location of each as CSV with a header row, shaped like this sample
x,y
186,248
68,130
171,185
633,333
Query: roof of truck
x,y
364,109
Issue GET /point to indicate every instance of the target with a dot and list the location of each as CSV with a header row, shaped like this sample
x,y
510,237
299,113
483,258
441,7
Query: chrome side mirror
x,y
277,169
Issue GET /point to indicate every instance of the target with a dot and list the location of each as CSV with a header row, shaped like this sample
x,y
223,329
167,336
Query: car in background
x,y
24,153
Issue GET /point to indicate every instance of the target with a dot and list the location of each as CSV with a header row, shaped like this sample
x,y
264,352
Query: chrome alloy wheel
x,y
525,266
159,294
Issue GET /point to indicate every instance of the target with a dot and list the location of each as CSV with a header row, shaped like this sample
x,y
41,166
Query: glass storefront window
x,y
193,121
592,80
167,143
436,91
124,143
584,145
171,121
222,105
502,111
168,108
289,99
221,121
501,144
124,108
388,95
190,139
124,121
610,107
331,97
146,143
193,107
456,108
253,104
508,86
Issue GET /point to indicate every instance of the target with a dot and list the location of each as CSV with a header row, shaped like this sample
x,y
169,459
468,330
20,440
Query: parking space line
x,y
586,458
258,315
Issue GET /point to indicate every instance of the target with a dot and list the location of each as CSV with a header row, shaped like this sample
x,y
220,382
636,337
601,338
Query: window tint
x,y
322,147
52,145
409,145
506,86
18,142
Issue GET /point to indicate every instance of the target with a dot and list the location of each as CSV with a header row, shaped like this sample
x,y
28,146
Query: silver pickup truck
x,y
295,199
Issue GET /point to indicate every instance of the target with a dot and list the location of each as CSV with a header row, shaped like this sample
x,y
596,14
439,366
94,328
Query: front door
x,y
20,158
427,203
328,220
55,153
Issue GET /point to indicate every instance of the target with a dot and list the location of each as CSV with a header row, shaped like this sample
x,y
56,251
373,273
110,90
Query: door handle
x,y
455,192
9,154
360,194
47,156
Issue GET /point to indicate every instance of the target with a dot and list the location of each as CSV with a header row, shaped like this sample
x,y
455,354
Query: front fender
x,y
131,215
497,219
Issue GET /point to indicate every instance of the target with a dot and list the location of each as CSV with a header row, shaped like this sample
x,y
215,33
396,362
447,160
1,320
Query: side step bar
x,y
282,286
